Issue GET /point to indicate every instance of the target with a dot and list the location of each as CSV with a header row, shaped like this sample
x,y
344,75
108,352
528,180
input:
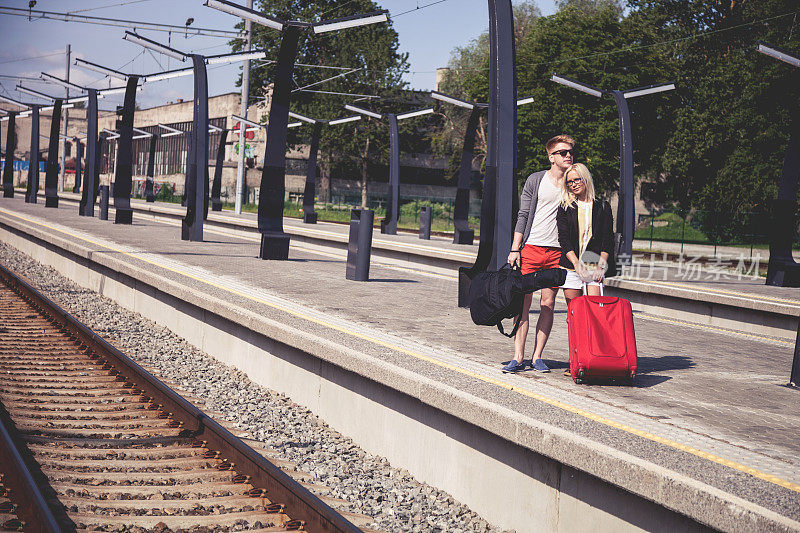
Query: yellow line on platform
x,y
749,296
648,316
486,379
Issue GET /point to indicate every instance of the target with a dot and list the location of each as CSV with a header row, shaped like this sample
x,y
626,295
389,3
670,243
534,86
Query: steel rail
x,y
279,487
31,506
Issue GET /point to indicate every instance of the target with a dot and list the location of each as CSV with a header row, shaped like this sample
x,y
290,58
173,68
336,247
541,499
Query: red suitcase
x,y
602,343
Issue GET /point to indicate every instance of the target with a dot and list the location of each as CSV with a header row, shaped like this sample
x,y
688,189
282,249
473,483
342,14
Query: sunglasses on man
x,y
563,153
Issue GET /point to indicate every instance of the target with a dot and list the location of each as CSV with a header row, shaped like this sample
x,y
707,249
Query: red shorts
x,y
535,258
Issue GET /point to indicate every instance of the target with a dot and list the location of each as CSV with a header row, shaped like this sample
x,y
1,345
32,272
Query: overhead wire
x,y
106,6
418,8
30,58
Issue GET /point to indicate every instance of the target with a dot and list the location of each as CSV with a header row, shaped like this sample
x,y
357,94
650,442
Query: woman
x,y
585,233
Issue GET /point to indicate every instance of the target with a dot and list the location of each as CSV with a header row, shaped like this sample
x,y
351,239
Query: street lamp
x,y
274,242
197,159
625,207
153,45
779,54
309,191
51,174
123,169
196,182
389,223
101,69
783,270
91,176
463,234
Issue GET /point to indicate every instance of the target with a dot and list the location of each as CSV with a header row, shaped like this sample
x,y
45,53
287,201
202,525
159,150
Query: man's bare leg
x,y
522,332
547,302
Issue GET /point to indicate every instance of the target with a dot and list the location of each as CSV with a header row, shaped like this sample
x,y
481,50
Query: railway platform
x,y
706,437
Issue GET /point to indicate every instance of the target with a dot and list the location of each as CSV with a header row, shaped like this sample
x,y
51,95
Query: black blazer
x,y
602,239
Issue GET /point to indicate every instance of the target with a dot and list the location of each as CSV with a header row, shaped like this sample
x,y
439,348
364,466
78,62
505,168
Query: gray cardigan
x,y
527,204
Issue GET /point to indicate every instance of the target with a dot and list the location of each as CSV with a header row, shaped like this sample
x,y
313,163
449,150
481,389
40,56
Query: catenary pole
x,y
248,26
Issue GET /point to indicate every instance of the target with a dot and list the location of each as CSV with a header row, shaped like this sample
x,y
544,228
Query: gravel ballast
x,y
370,485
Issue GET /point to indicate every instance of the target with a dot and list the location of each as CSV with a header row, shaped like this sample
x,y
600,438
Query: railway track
x,y
109,447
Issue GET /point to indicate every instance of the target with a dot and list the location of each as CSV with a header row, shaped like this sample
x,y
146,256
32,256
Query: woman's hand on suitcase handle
x,y
583,271
602,266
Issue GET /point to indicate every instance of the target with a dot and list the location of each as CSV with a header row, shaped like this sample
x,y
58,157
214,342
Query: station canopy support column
x,y
11,146
196,188
783,270
123,181
216,187
90,179
274,242
389,223
462,233
76,187
310,189
33,165
149,194
196,195
51,174
502,136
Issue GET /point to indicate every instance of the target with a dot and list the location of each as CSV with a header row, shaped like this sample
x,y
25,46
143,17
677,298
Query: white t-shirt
x,y
544,230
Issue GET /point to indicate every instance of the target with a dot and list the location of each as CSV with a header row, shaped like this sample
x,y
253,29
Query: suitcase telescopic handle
x,y
586,289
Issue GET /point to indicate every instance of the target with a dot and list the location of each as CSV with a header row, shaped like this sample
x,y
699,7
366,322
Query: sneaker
x,y
513,366
539,366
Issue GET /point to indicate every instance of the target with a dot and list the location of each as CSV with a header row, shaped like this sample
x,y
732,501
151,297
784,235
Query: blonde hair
x,y
563,138
567,196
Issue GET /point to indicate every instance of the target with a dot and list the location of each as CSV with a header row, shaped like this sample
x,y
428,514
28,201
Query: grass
x,y
408,218
674,231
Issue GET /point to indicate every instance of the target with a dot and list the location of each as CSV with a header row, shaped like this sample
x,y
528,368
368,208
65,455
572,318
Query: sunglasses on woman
x,y
575,182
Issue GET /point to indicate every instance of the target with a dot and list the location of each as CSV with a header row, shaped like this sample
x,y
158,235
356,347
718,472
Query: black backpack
x,y
495,296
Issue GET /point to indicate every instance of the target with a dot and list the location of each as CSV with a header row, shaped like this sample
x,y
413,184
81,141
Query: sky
x,y
428,29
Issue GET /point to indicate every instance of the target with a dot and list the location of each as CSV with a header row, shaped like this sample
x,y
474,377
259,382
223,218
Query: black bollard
x,y
794,379
359,246
104,194
425,223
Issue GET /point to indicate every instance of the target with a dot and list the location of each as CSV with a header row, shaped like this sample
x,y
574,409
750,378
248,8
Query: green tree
x,y
372,51
725,152
593,43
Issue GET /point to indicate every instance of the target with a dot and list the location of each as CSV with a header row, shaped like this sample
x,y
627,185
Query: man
x,y
536,247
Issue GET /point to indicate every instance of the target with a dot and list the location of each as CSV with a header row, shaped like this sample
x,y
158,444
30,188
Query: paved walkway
x,y
708,403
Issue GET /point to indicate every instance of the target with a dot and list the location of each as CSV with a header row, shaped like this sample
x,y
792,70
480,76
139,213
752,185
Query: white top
x,y
544,230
